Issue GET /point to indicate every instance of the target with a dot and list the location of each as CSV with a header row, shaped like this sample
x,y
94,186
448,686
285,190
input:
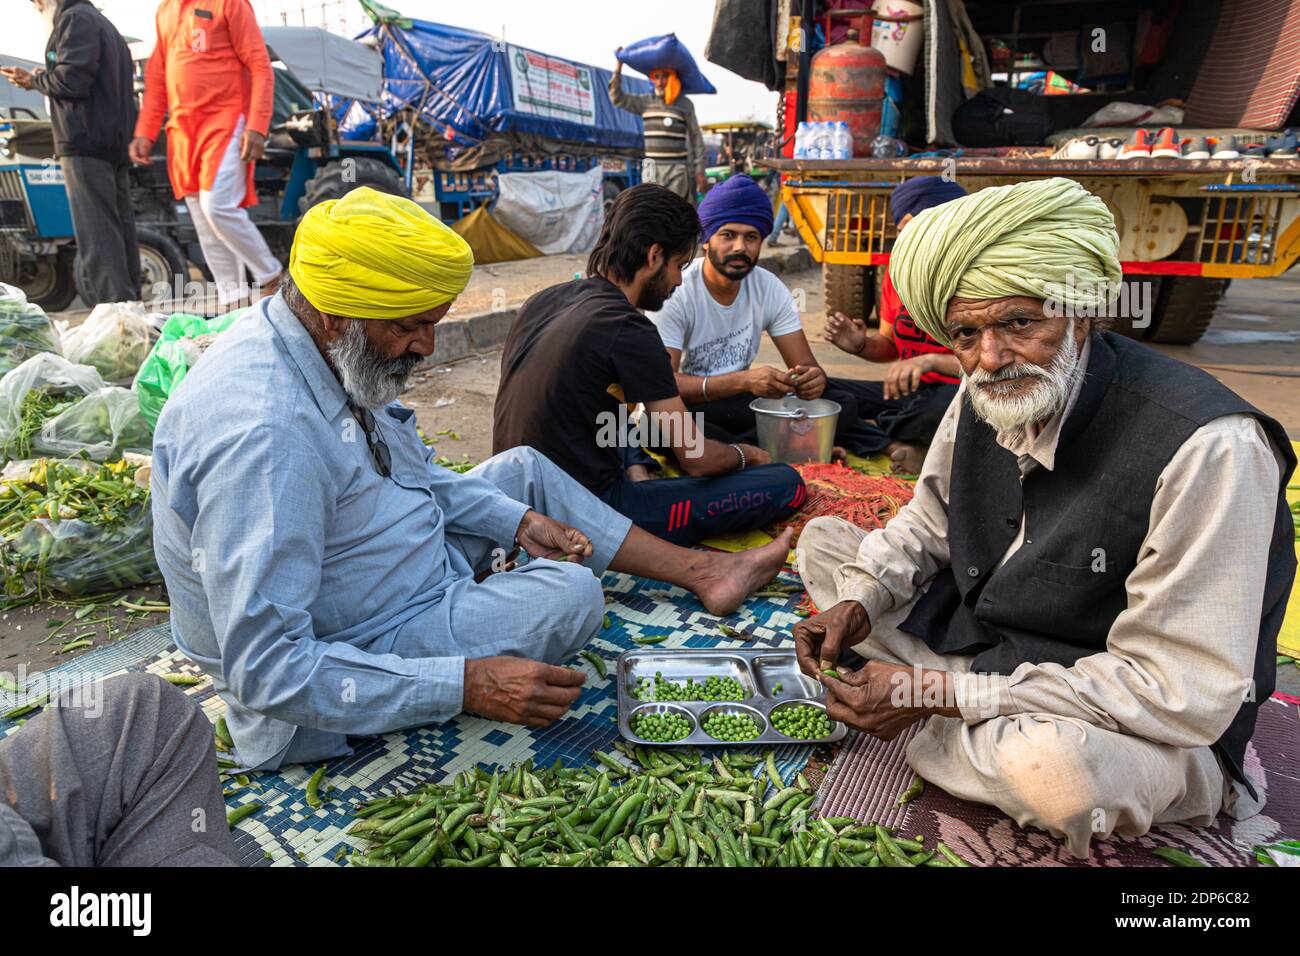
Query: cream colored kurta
x,y
1119,740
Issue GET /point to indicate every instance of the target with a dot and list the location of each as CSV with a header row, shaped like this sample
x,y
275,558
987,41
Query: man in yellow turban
x,y
1084,595
323,569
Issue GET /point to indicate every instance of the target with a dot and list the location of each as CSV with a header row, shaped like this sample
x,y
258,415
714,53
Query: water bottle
x,y
825,141
843,141
801,141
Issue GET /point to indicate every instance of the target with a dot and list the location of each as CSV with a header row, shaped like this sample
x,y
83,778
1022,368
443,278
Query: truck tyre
x,y
849,289
1185,308
161,261
338,178
50,281
1123,324
609,192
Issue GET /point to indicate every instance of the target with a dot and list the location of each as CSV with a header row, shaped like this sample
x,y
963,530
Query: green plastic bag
x,y
173,355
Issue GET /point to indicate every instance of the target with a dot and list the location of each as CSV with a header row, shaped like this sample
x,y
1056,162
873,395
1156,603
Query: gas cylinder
x,y
847,85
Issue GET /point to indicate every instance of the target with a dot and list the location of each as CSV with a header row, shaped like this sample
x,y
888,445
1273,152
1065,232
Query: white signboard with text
x,y
555,89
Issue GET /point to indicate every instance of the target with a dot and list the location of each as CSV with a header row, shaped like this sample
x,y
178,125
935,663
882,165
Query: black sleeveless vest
x,y
1052,601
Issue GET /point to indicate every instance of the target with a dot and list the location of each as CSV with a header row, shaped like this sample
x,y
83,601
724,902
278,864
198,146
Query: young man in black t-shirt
x,y
580,354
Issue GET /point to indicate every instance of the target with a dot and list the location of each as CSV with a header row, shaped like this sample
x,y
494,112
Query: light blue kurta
x,y
324,599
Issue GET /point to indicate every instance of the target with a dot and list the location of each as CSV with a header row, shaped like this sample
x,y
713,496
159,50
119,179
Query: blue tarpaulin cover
x,y
666,53
470,86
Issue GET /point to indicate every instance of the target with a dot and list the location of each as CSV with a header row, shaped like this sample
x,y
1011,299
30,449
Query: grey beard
x,y
1047,398
370,380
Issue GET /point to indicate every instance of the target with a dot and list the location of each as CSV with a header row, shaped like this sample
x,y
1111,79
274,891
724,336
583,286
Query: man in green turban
x,y
330,576
1085,593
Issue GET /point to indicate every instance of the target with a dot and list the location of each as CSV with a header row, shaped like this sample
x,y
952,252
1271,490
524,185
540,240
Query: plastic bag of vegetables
x,y
184,338
77,557
103,425
25,329
75,527
115,340
42,387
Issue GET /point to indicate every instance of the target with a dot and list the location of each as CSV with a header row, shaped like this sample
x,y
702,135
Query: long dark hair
x,y
640,217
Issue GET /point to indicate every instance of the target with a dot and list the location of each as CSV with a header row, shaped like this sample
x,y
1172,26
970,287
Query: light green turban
x,y
1046,239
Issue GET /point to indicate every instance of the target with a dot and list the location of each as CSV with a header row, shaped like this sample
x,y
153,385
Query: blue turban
x,y
923,192
738,199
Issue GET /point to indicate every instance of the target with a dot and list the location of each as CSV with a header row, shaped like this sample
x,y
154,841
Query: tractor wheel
x,y
849,289
338,178
49,281
1185,308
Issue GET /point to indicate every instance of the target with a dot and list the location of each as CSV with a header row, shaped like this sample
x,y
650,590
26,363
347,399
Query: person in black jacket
x,y
87,79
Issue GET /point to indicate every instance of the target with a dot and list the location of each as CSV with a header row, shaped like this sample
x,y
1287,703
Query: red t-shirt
x,y
909,339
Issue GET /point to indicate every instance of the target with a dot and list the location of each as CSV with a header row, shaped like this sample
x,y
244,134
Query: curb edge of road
x,y
480,332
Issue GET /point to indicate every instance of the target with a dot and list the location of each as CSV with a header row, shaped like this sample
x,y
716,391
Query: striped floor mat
x,y
869,775
288,832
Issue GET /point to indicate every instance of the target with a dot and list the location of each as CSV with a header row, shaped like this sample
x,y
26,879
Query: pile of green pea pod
x,y
676,808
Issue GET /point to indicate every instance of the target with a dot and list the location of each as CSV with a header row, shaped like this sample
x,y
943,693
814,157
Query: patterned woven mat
x,y
287,832
868,776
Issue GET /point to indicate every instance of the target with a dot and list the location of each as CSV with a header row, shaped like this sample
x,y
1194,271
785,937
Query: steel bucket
x,y
792,430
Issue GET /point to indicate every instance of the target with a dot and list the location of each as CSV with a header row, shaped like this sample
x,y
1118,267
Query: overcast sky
x,y
583,30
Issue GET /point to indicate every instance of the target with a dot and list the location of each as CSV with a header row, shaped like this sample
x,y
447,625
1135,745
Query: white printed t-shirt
x,y
714,338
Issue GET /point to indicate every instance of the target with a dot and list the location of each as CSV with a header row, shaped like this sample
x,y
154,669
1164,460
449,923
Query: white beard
x,y
1046,398
370,380
48,10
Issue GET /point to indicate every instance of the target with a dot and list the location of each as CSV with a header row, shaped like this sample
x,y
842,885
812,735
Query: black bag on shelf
x,y
1002,117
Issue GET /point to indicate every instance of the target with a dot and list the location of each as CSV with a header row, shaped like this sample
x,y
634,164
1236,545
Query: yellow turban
x,y
370,255
1046,239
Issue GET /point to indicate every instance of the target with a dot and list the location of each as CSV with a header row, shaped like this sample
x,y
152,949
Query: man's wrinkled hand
x,y
767,382
809,381
868,700
904,376
544,537
251,146
139,150
820,640
520,691
754,456
848,335
17,76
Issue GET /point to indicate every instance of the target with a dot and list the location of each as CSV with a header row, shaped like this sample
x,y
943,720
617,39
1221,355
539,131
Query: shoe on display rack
x,y
1226,147
1138,146
1166,145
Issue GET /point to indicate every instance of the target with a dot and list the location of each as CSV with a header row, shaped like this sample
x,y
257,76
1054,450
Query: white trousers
x,y
229,239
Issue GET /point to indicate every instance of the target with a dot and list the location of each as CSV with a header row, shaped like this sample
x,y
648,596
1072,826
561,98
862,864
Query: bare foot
x,y
725,580
907,459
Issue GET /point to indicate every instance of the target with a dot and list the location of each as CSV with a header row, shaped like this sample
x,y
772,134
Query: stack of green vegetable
x,y
75,528
25,329
674,811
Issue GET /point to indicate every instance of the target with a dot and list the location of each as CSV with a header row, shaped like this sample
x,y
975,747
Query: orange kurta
x,y
208,68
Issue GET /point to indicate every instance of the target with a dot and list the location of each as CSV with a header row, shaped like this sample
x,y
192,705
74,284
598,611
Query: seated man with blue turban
x,y
713,325
1083,597
329,576
903,411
